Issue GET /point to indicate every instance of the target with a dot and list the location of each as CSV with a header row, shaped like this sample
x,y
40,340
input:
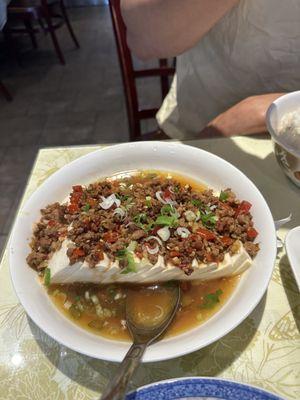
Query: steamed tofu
x,y
110,272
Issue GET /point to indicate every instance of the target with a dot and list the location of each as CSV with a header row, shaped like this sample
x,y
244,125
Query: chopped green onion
x,y
131,267
167,209
196,203
74,311
47,277
126,254
165,220
140,218
148,201
143,222
132,246
223,196
121,253
126,198
209,219
86,207
211,299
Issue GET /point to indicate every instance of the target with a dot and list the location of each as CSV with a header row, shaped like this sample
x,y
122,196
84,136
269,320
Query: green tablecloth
x,y
264,350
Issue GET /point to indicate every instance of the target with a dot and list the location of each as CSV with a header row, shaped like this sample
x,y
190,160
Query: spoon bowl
x,y
149,311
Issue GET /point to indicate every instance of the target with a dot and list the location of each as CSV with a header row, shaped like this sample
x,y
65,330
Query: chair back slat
x,y
127,69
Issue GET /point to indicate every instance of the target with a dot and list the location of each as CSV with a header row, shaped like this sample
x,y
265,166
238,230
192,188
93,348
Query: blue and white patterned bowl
x,y
200,389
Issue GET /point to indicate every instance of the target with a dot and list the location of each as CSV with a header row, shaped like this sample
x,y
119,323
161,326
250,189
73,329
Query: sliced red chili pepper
x,y
92,202
78,253
51,222
206,234
77,188
167,194
226,240
75,197
110,237
243,208
73,208
252,233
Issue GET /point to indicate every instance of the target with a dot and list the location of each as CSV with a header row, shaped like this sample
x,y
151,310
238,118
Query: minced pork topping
x,y
146,215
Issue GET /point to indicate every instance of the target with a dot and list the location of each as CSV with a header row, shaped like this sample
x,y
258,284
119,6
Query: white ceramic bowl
x,y
286,152
186,160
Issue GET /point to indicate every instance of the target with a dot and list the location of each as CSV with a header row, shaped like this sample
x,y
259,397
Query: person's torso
x,y
254,49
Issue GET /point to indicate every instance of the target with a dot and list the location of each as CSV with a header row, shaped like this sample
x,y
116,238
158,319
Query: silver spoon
x,y
149,311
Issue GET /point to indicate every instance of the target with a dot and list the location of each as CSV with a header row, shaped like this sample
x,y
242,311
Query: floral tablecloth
x,y
264,350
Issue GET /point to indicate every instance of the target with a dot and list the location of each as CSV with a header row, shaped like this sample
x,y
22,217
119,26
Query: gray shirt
x,y
254,49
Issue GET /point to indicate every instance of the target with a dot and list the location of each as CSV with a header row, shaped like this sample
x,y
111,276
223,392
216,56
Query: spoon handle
x,y
116,389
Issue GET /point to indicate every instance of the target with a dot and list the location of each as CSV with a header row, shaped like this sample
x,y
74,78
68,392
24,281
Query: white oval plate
x,y
195,163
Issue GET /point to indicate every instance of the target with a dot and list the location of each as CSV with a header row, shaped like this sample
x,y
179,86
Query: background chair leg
x,y
51,30
65,15
5,92
30,30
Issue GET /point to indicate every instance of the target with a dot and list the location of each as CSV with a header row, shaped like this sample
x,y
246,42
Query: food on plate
x,y
136,229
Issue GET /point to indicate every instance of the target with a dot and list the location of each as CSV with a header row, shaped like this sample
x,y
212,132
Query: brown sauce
x,y
194,309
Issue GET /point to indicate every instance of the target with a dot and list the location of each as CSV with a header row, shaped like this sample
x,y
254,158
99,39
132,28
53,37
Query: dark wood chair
x,y
5,92
129,75
49,15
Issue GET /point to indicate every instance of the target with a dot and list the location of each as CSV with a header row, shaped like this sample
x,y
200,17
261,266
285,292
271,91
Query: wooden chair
x,y
129,75
5,92
50,15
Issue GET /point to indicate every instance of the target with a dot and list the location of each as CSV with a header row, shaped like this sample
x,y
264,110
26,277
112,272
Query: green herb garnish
x,y
131,267
166,220
126,198
148,201
143,222
211,299
196,203
86,207
167,209
121,253
47,277
126,254
209,219
223,196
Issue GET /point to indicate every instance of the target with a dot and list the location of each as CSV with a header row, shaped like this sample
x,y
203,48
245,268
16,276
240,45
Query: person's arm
x,y
167,28
244,118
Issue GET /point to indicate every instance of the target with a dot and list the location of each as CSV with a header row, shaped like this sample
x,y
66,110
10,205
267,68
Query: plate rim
x,y
167,384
